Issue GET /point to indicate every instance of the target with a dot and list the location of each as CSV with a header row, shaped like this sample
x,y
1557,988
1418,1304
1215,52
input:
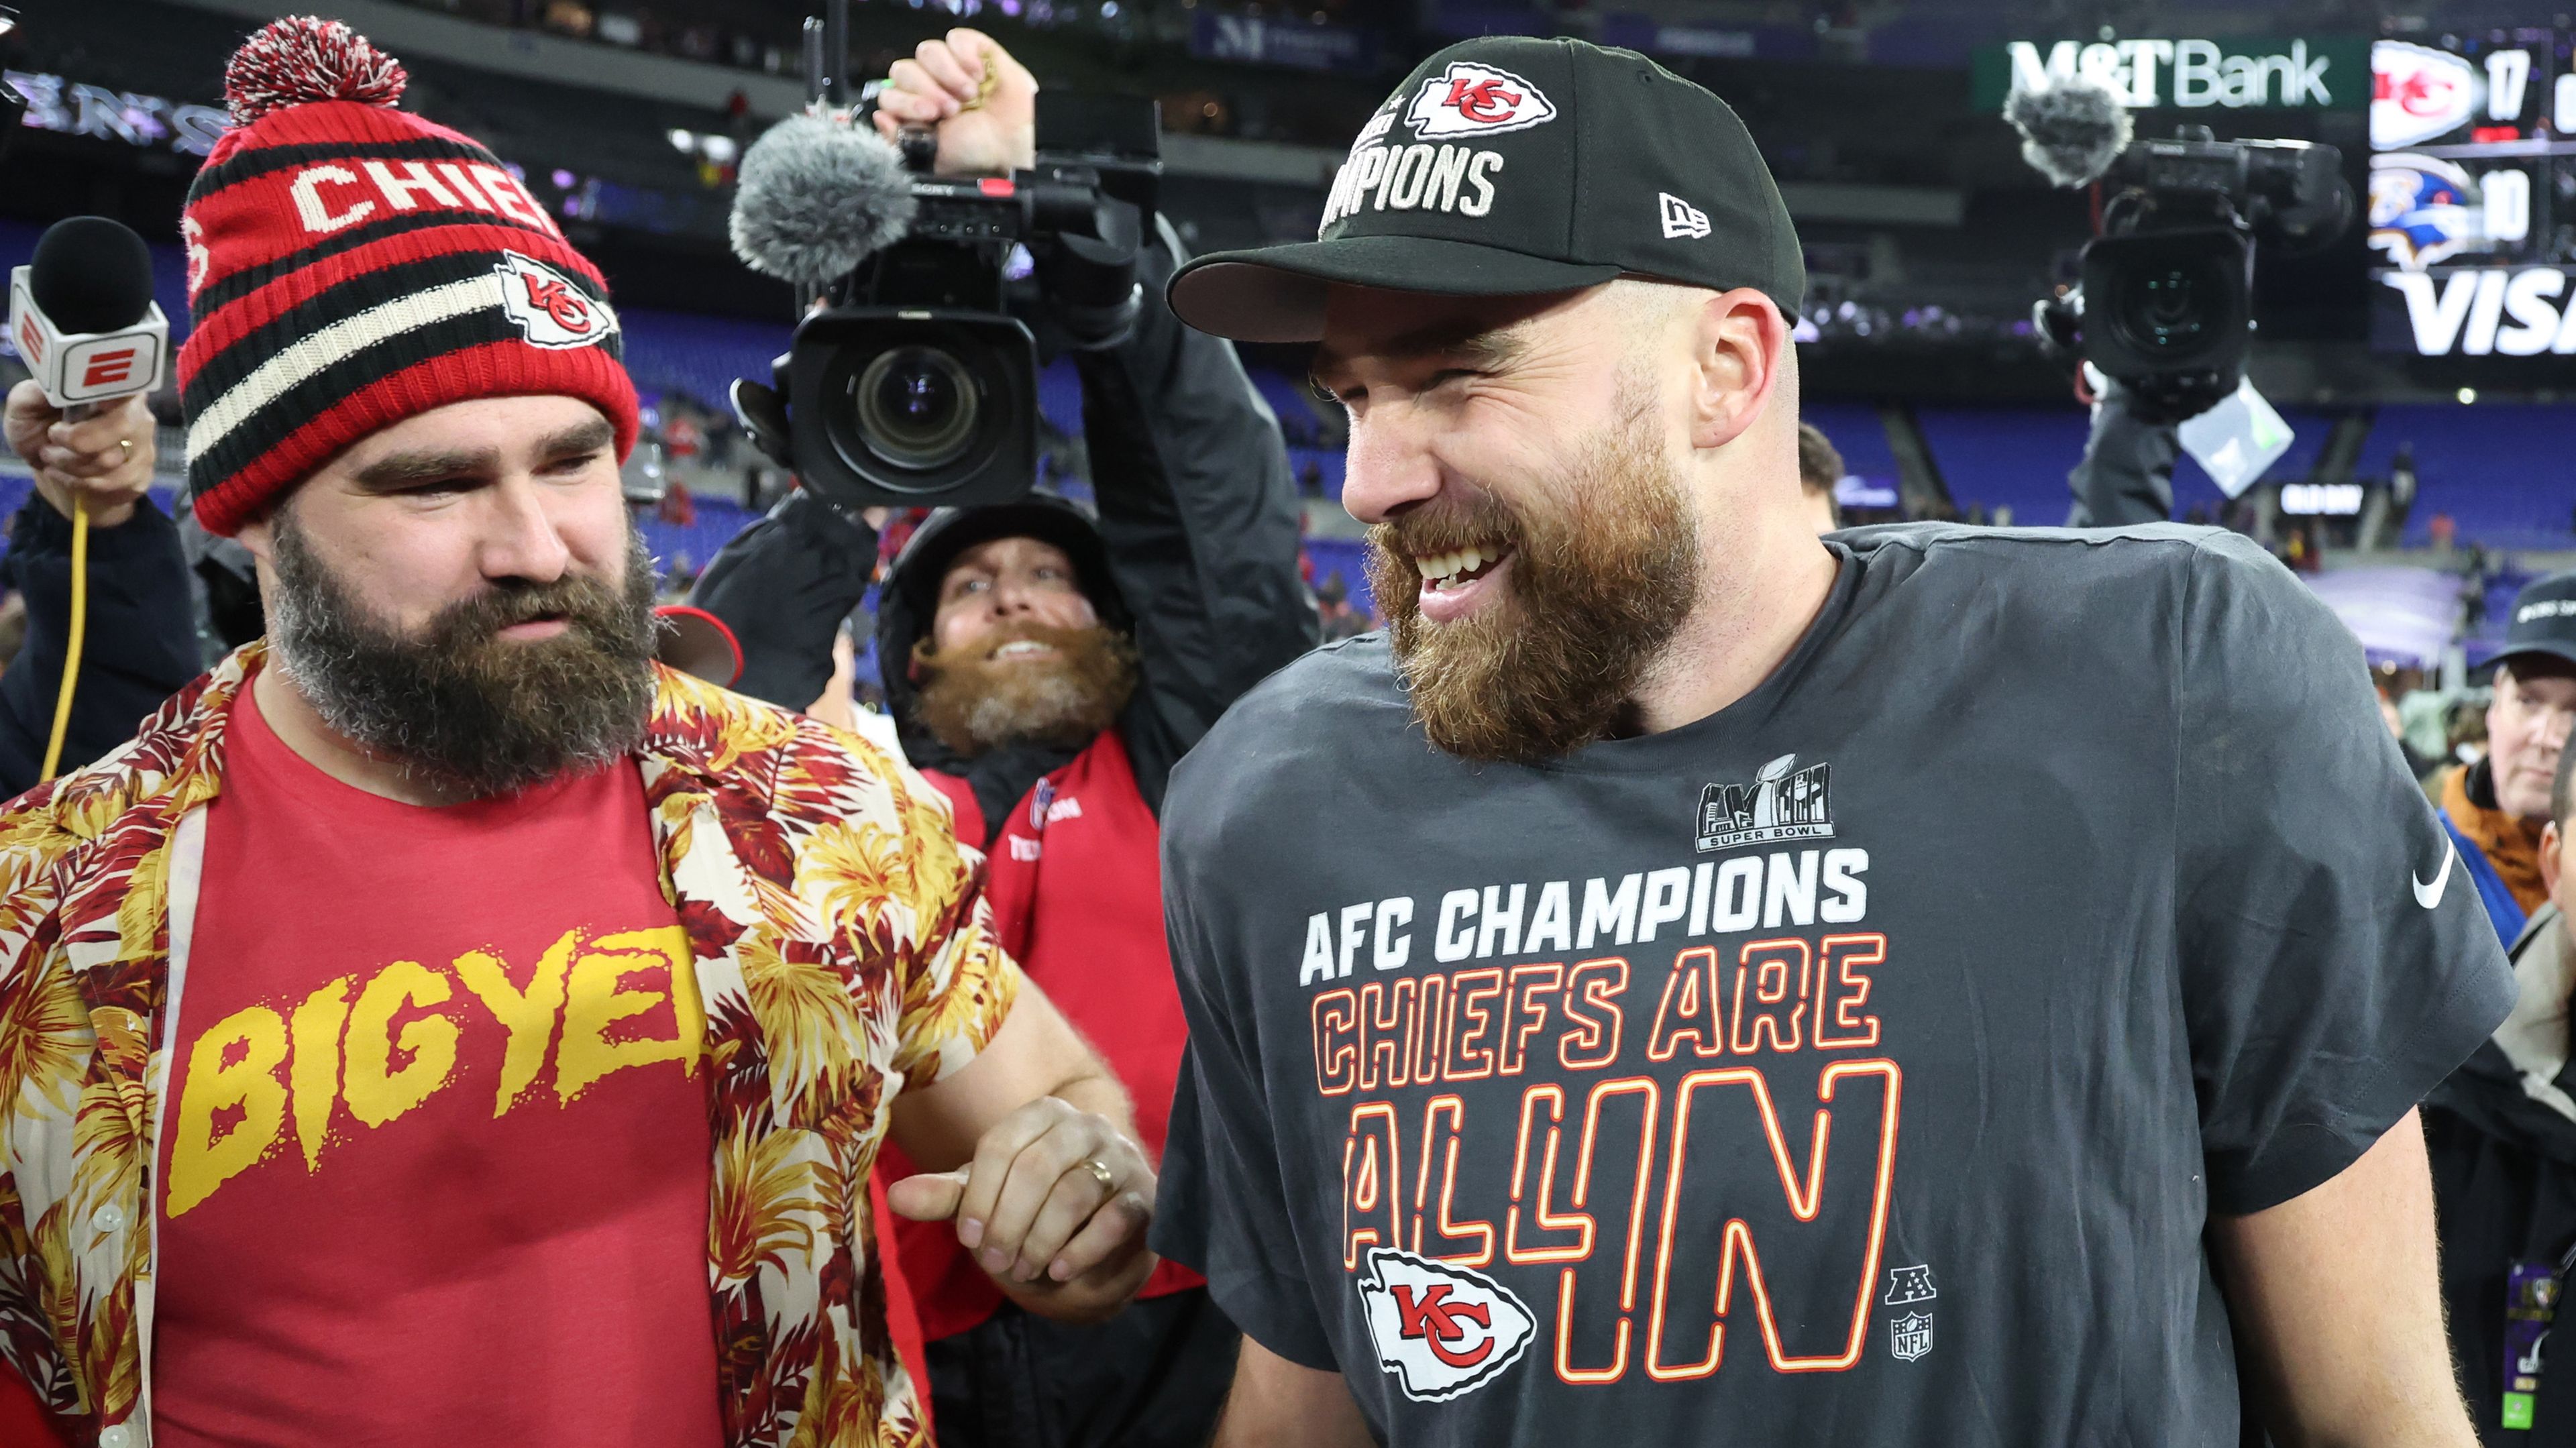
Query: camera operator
x,y
1047,672
2126,477
140,647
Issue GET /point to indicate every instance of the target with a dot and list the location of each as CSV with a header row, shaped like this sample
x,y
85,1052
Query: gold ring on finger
x,y
1101,1173
127,443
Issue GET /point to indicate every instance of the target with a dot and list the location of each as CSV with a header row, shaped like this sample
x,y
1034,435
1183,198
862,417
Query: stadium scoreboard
x,y
2472,200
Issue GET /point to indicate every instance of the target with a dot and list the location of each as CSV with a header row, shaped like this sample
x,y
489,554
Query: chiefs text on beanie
x,y
351,265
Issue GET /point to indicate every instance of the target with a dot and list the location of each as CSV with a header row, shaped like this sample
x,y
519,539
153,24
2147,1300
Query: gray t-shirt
x,y
1860,1064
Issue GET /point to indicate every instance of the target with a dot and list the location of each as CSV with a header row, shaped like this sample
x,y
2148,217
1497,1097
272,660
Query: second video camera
x,y
912,381
2167,300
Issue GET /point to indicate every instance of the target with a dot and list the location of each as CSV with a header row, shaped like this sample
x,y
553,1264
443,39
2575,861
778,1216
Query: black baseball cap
x,y
1506,166
2544,620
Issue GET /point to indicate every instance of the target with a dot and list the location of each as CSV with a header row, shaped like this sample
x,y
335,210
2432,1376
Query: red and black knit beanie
x,y
351,265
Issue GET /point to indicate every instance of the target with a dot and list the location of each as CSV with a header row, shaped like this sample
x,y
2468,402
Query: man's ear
x,y
2551,839
259,536
1738,349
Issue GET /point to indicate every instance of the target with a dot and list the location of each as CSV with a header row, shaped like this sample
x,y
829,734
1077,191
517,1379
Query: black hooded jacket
x,y
1194,549
2503,1145
140,649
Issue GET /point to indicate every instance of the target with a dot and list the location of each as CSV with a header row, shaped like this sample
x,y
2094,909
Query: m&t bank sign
x,y
2190,75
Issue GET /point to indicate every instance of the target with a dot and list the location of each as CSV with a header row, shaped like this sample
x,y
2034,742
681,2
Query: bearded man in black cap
x,y
1928,985
1045,670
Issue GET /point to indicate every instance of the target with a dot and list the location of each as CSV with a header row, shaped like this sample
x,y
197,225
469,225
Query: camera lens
x,y
917,407
2170,308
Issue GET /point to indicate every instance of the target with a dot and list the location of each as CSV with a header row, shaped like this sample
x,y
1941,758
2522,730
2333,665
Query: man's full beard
x,y
1604,567
479,714
975,704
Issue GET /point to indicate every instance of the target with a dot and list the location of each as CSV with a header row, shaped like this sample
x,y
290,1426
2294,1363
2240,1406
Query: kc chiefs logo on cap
x,y
1440,1329
1469,99
551,311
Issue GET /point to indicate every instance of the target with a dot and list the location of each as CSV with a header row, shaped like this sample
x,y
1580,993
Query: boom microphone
x,y
83,315
2071,131
817,196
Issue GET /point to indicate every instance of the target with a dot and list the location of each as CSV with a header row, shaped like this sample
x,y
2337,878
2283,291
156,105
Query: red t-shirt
x,y
435,1150
1076,885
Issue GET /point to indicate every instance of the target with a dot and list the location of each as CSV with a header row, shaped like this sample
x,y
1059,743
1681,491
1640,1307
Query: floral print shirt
x,y
843,953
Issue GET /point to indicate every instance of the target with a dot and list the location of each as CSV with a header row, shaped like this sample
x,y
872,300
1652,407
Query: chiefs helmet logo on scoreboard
x,y
1476,100
2417,93
1442,1330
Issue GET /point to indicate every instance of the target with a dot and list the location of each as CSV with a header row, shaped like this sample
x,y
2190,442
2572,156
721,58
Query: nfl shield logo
x,y
1910,1337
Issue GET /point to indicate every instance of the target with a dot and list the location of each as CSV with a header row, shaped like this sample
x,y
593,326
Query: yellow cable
x,y
72,646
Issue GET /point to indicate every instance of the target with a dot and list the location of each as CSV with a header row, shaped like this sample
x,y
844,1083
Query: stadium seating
x,y
2504,474
1999,457
1856,432
1290,400
698,357
1346,557
2018,458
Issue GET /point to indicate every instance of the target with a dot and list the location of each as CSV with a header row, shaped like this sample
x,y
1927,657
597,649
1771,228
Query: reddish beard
x,y
1604,566
975,703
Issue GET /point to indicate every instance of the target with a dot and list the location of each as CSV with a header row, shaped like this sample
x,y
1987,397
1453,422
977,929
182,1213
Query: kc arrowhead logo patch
x,y
550,311
1441,1330
1476,100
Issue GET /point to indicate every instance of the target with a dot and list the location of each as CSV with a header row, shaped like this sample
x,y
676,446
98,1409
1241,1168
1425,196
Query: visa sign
x,y
2476,312
2332,74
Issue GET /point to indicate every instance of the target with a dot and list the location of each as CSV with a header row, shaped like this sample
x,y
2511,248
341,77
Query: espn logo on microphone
x,y
85,366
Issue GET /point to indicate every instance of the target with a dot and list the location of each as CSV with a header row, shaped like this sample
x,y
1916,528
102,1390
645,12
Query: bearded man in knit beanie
x,y
443,1024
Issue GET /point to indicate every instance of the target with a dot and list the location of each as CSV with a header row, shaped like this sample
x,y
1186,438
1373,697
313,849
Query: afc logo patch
x,y
1476,100
1441,1330
550,311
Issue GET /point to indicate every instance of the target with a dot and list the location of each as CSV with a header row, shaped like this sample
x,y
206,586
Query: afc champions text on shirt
x,y
1635,981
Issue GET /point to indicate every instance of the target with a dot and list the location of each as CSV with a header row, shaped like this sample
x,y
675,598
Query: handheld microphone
x,y
87,328
83,315
2072,131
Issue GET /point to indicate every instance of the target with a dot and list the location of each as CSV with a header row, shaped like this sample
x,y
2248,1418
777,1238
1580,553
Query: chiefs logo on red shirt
x,y
1441,1330
1469,99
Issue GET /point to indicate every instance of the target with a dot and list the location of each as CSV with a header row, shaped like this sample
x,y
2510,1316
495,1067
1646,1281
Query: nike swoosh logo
x,y
2429,896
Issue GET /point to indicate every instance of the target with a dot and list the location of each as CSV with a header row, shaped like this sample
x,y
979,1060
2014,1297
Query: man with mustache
x,y
2497,807
1045,669
1693,980
442,1024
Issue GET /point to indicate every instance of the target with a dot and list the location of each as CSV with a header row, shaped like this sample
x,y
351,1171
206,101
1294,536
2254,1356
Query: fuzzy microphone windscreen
x,y
814,197
2072,131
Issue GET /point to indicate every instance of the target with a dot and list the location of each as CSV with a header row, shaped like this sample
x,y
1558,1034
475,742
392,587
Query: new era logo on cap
x,y
1469,99
1681,219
